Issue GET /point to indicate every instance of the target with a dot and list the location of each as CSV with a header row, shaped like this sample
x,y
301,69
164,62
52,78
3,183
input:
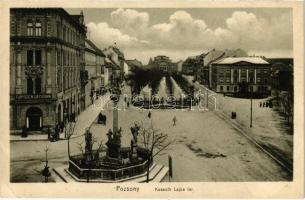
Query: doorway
x,y
34,119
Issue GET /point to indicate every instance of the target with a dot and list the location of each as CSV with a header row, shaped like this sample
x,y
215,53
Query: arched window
x,y
37,29
29,28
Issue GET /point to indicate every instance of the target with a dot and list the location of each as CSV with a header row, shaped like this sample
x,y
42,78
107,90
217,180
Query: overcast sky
x,y
179,33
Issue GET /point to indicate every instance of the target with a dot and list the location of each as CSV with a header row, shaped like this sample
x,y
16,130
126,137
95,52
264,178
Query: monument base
x,y
157,173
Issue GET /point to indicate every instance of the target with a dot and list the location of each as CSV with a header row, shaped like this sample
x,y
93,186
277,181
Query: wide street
x,y
204,148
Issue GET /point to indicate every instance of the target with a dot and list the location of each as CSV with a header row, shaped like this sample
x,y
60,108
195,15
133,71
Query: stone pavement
x,y
83,121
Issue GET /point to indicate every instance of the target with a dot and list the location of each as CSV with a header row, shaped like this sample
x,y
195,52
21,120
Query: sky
x,y
180,33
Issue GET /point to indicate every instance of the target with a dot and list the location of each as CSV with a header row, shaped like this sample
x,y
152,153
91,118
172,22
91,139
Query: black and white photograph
x,y
151,95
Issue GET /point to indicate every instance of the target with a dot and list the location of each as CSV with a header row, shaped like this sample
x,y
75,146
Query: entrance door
x,y
34,118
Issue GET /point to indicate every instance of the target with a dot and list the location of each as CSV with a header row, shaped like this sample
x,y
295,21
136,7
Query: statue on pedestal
x,y
134,131
114,143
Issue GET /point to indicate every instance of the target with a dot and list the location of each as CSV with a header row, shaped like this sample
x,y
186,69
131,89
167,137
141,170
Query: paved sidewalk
x,y
83,121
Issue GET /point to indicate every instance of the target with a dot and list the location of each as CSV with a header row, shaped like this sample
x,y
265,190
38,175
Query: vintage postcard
x,y
167,99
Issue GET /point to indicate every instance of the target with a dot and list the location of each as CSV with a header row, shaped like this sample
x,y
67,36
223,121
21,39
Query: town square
x,y
127,95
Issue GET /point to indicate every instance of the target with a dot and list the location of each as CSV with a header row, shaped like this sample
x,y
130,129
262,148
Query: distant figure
x,y
263,104
267,104
127,104
174,121
149,114
260,104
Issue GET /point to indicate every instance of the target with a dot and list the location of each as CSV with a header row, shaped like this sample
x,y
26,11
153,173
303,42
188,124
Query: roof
x,y
44,11
233,60
134,62
110,64
90,45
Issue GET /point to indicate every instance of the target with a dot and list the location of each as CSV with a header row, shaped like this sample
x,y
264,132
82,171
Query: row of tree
x,y
184,84
141,77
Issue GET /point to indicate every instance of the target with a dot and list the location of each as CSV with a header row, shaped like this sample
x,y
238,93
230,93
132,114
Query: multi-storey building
x,y
163,63
46,63
241,75
95,64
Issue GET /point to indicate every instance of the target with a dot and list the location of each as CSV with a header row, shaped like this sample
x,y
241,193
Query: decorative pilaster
x,y
254,76
247,75
239,75
18,74
48,65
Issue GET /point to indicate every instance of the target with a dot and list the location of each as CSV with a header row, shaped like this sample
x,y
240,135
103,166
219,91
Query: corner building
x,y
46,63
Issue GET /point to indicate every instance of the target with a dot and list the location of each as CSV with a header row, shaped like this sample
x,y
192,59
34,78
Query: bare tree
x,y
46,172
154,142
69,132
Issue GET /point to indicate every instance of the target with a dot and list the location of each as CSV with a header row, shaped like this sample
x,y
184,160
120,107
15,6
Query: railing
x,y
109,169
107,174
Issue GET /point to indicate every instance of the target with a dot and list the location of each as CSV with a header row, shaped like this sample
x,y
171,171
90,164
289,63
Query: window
x,y
58,57
58,29
228,88
64,33
37,57
29,86
30,57
38,29
38,86
221,88
34,56
265,81
29,28
258,80
221,80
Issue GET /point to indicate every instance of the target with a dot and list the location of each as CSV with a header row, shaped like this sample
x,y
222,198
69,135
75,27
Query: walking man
x,y
174,121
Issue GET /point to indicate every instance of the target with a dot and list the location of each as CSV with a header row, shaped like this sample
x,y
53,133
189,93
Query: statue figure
x,y
134,140
109,134
114,143
135,132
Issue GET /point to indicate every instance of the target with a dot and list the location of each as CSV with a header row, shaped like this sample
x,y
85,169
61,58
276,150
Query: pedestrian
x,y
127,104
149,114
263,104
174,121
260,104
49,133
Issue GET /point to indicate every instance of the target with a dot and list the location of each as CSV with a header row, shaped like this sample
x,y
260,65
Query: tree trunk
x,y
148,166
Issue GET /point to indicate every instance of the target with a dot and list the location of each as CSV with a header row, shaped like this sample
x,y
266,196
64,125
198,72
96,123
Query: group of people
x,y
266,104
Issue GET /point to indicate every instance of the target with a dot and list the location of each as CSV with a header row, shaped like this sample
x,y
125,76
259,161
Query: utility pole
x,y
207,98
251,108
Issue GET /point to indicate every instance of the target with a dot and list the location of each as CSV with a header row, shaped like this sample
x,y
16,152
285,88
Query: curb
x,y
238,127
46,139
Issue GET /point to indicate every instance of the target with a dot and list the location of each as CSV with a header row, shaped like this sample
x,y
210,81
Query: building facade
x,y
234,75
94,65
46,62
163,63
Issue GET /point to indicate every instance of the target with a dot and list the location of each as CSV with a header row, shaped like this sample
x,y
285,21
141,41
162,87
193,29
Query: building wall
x,y
42,30
227,78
